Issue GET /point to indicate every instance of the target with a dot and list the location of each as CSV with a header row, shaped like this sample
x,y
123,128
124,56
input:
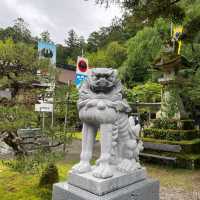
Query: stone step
x,y
155,156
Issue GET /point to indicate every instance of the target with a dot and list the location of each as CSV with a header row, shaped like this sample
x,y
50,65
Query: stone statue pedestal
x,y
132,186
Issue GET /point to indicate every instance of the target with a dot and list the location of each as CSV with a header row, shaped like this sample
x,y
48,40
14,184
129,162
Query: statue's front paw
x,y
103,170
81,167
128,166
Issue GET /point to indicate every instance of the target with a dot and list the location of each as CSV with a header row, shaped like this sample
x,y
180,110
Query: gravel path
x,y
178,194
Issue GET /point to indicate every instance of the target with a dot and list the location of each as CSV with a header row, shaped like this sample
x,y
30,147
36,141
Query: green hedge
x,y
171,135
188,146
186,124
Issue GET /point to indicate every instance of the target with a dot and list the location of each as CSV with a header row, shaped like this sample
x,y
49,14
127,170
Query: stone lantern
x,y
171,103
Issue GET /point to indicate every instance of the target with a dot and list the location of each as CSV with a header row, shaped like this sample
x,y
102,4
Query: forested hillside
x,y
131,43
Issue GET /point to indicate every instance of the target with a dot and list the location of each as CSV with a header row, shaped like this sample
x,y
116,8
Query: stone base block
x,y
100,187
147,189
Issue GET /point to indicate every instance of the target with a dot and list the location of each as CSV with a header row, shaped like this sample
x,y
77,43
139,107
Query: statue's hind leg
x,y
103,169
88,137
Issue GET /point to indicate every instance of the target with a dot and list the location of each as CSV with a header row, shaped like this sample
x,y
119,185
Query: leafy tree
x,y
72,40
112,56
142,50
150,9
18,33
22,27
13,118
105,35
191,23
19,63
148,92
61,104
74,44
98,59
61,55
93,42
98,39
116,31
116,54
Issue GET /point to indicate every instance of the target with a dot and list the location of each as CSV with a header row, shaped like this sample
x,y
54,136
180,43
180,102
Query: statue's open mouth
x,y
105,88
102,86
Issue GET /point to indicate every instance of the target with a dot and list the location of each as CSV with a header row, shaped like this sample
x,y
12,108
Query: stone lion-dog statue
x,y
102,107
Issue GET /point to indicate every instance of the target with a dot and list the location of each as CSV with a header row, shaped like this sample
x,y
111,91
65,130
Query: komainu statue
x,y
102,107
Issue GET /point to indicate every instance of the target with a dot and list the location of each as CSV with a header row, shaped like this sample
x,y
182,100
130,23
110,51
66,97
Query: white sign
x,y
44,107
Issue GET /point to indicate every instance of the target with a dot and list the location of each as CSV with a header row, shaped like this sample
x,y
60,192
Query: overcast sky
x,y
57,16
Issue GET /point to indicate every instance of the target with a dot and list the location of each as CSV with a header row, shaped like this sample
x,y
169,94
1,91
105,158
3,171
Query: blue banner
x,y
79,79
47,50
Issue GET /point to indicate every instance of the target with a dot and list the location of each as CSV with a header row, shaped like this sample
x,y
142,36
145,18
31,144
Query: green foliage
x,y
165,124
93,42
49,176
66,97
148,92
23,186
142,49
13,118
129,95
112,56
33,164
116,54
18,33
22,55
172,135
19,63
61,55
98,59
75,45
173,124
191,87
151,9
105,35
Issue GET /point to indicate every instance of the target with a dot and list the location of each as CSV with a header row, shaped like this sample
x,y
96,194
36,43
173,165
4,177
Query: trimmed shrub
x,y
171,135
165,124
173,124
49,176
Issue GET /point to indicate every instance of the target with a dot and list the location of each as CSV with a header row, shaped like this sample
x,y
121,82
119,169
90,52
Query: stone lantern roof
x,y
176,63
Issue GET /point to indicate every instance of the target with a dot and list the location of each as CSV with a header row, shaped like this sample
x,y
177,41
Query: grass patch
x,y
23,186
78,136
